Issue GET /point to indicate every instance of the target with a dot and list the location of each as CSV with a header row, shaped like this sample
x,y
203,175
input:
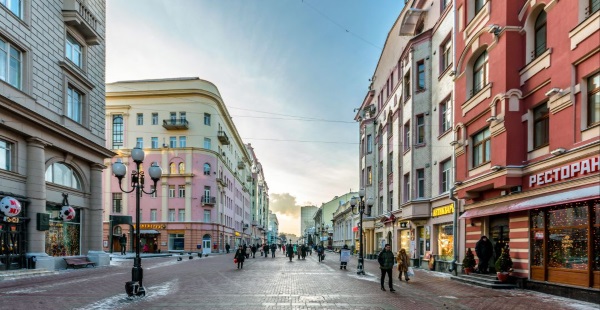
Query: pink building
x,y
204,197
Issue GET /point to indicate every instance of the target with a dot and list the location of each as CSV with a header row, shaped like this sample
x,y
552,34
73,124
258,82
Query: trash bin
x,y
31,262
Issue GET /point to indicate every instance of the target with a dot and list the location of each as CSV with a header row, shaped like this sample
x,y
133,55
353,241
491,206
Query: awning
x,y
538,202
149,231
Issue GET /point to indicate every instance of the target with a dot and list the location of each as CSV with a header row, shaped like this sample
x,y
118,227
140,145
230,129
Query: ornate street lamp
x,y
359,202
135,286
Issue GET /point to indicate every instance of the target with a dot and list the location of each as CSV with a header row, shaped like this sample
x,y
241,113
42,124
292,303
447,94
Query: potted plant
x,y
504,265
468,262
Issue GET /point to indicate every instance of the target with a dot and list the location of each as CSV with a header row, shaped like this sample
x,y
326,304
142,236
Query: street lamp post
x,y
135,286
359,202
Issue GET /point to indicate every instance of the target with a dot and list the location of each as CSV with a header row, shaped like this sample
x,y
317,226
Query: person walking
x,y
123,243
320,252
402,259
227,247
253,249
247,251
303,251
273,249
386,264
240,255
289,251
484,250
343,263
266,249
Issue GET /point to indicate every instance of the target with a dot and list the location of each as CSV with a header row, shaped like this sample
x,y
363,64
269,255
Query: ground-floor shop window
x,y
405,240
176,242
63,237
445,241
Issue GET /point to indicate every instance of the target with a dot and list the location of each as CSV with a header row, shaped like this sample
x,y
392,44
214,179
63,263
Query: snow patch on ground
x,y
554,301
122,300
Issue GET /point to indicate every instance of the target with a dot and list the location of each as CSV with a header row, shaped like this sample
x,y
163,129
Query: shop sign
x,y
443,210
237,233
152,226
565,172
11,219
403,224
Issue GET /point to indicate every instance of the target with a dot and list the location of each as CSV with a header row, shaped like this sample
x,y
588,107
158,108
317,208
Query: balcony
x,y
77,15
222,182
241,165
175,124
208,200
223,138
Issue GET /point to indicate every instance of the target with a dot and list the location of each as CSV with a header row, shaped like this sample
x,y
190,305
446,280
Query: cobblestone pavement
x,y
214,282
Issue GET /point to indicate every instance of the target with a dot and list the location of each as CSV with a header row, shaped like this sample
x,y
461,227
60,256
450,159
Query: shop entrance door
x,y
12,244
206,244
499,230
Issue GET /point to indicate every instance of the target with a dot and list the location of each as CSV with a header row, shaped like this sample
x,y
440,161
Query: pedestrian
x,y
289,251
283,248
386,263
303,251
253,249
402,259
227,247
320,252
343,263
266,249
273,249
240,255
247,251
484,250
123,243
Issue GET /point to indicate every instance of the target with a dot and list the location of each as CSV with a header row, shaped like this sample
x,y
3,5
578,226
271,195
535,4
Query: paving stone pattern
x,y
214,282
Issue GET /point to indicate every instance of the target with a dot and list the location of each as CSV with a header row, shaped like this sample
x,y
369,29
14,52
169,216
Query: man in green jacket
x,y
386,263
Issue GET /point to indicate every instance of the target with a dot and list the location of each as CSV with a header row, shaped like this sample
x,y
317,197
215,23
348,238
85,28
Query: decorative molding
x,y
536,65
560,101
588,27
483,94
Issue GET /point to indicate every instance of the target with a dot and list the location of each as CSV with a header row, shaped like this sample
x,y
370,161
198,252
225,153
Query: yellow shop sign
x,y
443,210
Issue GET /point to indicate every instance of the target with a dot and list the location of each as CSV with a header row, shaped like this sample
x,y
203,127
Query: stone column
x,y
93,218
36,193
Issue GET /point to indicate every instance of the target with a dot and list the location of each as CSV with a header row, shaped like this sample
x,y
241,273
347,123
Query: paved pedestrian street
x,y
214,282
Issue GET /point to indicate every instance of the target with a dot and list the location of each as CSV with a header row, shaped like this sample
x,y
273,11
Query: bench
x,y
78,261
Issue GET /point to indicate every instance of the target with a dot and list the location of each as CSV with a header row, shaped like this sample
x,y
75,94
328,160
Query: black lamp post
x,y
135,286
359,202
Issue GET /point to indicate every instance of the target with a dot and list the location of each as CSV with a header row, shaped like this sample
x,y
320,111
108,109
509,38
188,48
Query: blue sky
x,y
291,73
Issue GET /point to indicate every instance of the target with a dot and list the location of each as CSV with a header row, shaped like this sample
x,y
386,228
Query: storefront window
x,y
568,237
63,238
537,238
405,240
176,242
596,237
445,242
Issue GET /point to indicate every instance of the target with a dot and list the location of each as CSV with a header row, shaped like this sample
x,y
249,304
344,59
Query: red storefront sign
x,y
580,168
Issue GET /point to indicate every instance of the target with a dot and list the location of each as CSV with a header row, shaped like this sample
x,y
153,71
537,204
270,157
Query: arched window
x,y
206,169
61,174
172,168
540,34
117,139
480,69
181,168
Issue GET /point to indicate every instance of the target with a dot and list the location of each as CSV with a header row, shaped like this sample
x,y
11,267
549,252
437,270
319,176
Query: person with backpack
x,y
386,264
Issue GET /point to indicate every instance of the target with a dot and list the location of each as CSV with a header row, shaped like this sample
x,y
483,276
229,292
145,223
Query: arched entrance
x,y
206,244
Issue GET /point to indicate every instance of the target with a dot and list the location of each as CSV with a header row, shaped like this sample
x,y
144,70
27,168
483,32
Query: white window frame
x,y
6,155
154,118
181,191
153,215
171,191
73,50
9,54
182,141
18,11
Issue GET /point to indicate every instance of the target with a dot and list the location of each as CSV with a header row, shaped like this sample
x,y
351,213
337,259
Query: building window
x,y
154,118
540,34
541,126
74,104
391,201
446,241
171,215
206,119
139,142
182,141
481,147
171,191
62,237
369,175
153,215
446,177
421,75
407,136
154,142
181,217
593,99
480,69
206,194
206,169
15,6
445,116
406,187
172,142
173,117
172,168
117,202
73,50
444,4
10,64
206,216
420,129
153,191
140,119
593,7
182,117
181,168
207,143
176,241
407,86
390,162
479,5
5,155
369,144
117,131
420,183
181,190
446,54
380,171
61,174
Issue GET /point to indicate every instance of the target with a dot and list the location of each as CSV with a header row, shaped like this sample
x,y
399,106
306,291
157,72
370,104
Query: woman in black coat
x,y
240,255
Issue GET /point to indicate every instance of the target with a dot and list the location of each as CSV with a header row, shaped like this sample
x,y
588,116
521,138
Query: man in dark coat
x,y
123,243
289,251
386,264
227,247
273,249
484,250
253,250
240,255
